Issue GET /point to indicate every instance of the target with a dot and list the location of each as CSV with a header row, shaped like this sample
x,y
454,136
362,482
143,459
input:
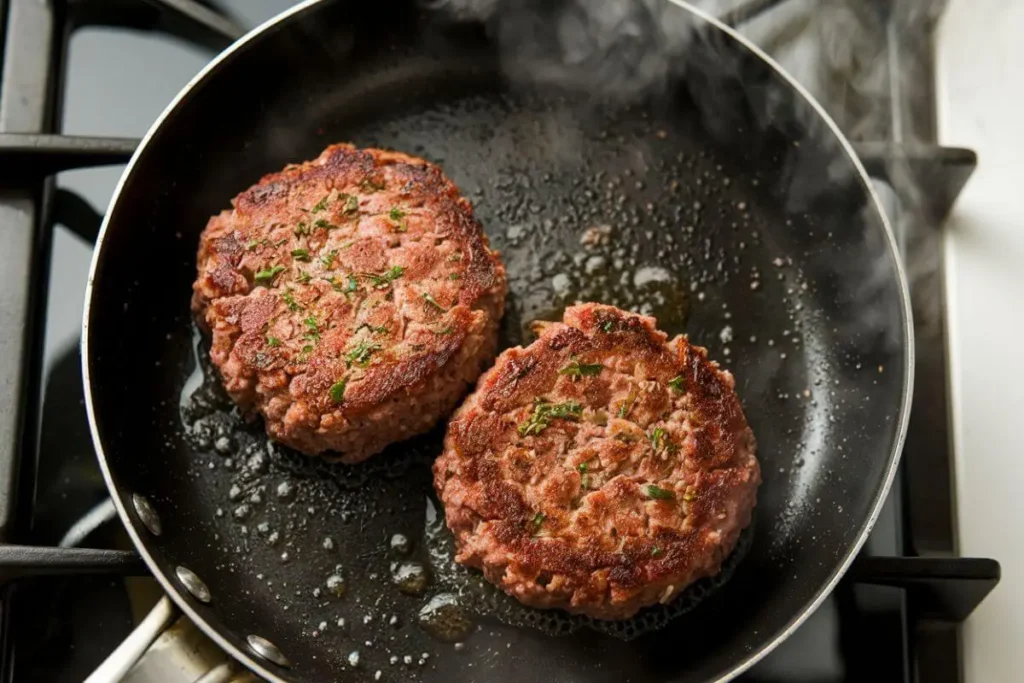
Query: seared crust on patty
x,y
600,469
352,300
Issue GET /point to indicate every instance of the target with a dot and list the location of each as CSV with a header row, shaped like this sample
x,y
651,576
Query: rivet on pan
x,y
147,514
193,583
266,649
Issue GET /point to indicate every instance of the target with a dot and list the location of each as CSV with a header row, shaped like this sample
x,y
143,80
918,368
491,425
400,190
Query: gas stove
x,y
74,71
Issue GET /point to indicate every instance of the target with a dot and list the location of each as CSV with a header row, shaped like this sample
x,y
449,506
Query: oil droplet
x,y
445,619
400,544
411,578
336,585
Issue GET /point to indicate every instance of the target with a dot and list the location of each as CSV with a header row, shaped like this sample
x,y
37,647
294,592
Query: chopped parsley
x,y
655,551
337,391
454,276
351,204
304,355
582,468
300,254
657,437
289,298
396,214
360,355
608,326
544,412
537,521
324,224
303,277
314,328
385,278
626,406
251,245
301,229
320,205
266,276
658,493
328,258
273,341
431,301
677,383
575,369
445,330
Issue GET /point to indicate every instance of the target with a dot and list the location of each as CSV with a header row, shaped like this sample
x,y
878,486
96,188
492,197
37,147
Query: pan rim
x,y
176,592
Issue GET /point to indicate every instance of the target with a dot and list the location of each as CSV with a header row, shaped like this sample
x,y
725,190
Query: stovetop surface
x,y
64,627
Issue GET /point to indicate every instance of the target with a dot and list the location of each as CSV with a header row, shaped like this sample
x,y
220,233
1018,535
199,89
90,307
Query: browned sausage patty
x,y
600,469
352,300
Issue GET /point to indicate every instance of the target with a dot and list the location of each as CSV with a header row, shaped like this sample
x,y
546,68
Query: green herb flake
x,y
313,328
454,276
320,205
431,301
304,355
289,298
608,326
337,391
273,341
537,522
626,406
301,229
353,284
445,330
657,437
324,224
655,551
677,384
351,204
251,245
266,276
387,277
544,412
575,369
396,214
300,254
582,468
327,259
371,328
658,493
303,277
360,355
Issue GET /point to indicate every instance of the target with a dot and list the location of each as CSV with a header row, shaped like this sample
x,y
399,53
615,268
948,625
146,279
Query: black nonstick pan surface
x,y
723,202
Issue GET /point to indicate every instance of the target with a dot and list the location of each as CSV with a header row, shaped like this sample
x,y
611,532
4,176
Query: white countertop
x,y
980,67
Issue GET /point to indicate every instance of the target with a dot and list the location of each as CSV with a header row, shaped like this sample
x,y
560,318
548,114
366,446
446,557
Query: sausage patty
x,y
352,300
600,469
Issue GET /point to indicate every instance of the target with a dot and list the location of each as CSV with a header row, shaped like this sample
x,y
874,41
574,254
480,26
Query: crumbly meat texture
x,y
352,300
601,469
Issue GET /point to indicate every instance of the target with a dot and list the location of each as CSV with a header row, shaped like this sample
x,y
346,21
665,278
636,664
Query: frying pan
x,y
724,201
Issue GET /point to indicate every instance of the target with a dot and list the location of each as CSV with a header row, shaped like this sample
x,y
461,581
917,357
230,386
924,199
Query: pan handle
x,y
128,653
